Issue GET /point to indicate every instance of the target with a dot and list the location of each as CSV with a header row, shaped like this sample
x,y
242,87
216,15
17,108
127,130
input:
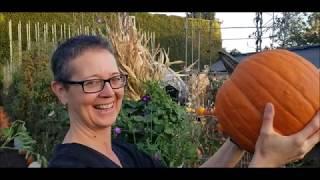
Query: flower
x,y
117,130
146,98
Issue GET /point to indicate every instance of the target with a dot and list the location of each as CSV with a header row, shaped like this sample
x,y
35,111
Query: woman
x,y
88,82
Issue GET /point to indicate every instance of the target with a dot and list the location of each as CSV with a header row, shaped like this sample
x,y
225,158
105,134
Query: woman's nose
x,y
107,90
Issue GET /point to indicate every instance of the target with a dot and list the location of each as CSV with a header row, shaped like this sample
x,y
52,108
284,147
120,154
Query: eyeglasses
x,y
97,85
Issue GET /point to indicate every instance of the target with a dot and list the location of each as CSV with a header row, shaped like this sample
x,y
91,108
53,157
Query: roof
x,y
311,53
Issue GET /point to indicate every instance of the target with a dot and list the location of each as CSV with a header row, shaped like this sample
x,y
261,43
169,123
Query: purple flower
x,y
117,130
146,98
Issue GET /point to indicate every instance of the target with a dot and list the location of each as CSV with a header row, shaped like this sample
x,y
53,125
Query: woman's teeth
x,y
104,106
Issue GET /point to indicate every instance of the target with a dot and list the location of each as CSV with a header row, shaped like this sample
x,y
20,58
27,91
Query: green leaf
x,y
168,130
139,118
156,121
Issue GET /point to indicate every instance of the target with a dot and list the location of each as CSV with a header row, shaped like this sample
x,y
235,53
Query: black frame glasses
x,y
99,84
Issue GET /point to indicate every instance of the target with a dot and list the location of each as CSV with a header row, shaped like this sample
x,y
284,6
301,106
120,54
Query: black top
x,y
75,155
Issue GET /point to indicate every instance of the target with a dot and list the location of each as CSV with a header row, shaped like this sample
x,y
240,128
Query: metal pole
x,y
199,39
210,43
260,41
192,39
258,31
272,39
186,48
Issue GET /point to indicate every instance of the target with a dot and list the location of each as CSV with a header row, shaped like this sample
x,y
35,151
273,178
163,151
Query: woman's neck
x,y
97,139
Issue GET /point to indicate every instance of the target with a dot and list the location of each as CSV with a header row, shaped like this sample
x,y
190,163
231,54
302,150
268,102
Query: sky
x,y
243,19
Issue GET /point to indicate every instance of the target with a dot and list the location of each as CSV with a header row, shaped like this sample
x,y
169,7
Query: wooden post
x,y
55,32
69,31
64,31
29,42
10,41
35,32
19,43
28,35
61,33
38,30
47,30
52,33
44,33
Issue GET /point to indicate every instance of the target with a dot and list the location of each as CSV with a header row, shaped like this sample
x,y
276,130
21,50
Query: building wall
x,y
311,54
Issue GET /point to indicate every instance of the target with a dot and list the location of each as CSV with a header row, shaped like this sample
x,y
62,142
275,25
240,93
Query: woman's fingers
x,y
311,128
313,140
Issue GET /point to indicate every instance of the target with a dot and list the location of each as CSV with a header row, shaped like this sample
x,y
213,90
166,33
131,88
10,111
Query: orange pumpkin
x,y
200,111
282,77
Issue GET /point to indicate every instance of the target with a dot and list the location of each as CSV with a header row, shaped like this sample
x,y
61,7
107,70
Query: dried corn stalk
x,y
135,57
198,85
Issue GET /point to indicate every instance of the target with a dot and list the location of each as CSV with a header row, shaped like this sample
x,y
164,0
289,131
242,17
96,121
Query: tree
x,y
202,15
2,18
312,34
297,29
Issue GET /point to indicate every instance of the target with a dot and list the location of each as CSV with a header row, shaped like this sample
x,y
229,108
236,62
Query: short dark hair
x,y
72,48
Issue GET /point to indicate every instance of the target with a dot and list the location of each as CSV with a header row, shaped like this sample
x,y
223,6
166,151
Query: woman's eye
x,y
91,83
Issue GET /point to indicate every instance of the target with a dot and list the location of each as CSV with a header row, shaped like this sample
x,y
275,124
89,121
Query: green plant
x,y
18,133
160,127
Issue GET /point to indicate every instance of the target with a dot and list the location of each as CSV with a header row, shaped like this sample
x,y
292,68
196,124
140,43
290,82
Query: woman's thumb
x,y
267,120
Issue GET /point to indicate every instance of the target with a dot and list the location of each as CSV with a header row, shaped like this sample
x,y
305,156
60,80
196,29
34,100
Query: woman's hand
x,y
275,150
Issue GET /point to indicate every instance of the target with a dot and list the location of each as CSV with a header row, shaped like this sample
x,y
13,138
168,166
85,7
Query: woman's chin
x,y
105,122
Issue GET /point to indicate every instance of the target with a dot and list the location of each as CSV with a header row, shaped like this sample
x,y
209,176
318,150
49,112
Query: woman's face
x,y
100,109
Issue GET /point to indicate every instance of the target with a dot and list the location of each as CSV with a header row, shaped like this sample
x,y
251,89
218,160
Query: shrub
x,y
161,128
30,99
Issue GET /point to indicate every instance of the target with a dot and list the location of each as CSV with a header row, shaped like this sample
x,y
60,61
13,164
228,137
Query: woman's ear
x,y
60,91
